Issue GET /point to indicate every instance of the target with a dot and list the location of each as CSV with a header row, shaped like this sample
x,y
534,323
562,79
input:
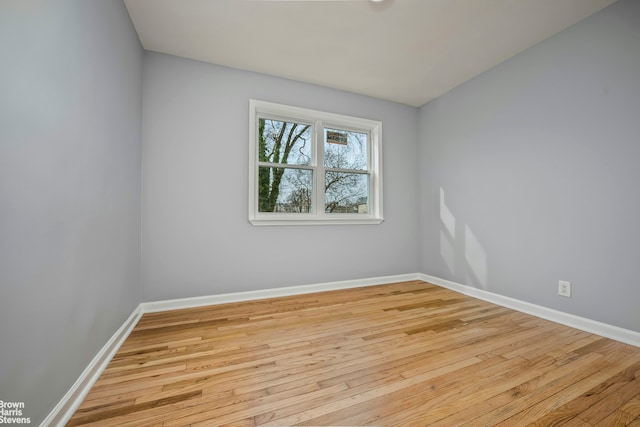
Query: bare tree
x,y
344,190
300,200
276,141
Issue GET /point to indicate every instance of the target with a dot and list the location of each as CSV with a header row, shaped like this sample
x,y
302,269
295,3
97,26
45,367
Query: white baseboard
x,y
71,401
65,409
175,304
605,330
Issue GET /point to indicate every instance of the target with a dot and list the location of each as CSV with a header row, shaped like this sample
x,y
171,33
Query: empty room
x,y
320,212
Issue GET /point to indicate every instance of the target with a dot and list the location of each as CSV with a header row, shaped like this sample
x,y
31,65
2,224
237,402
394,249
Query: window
x,y
311,167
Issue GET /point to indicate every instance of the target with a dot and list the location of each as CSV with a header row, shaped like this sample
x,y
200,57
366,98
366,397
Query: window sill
x,y
315,221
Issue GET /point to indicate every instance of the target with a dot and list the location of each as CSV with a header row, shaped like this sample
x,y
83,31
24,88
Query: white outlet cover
x,y
564,288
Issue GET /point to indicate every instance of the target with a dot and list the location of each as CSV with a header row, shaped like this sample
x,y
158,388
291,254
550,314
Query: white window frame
x,y
319,120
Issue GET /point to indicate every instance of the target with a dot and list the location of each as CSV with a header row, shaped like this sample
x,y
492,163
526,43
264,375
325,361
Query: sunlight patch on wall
x,y
447,235
447,251
476,258
447,218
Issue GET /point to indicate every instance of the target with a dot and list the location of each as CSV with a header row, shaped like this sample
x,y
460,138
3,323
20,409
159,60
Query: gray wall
x,y
70,132
529,173
196,238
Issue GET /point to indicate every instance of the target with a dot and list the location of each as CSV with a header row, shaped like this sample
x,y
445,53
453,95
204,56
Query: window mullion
x,y
319,172
284,166
352,171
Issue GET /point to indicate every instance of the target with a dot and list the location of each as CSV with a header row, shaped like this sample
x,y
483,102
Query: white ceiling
x,y
408,51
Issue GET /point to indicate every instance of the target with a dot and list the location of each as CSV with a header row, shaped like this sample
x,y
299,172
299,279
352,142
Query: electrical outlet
x,y
564,288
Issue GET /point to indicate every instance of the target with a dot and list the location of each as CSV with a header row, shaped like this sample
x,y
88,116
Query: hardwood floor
x,y
407,354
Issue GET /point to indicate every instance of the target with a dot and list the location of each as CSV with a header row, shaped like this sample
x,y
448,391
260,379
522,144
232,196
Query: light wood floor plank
x,y
404,354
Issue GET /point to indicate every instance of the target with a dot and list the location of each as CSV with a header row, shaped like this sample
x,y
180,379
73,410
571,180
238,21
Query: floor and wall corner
x,y
521,177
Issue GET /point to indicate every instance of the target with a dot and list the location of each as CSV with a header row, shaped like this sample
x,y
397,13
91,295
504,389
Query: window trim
x,y
320,121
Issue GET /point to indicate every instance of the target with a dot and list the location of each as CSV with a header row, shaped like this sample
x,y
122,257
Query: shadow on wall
x,y
475,256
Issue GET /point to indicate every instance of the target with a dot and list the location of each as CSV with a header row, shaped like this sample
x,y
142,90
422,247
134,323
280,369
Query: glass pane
x,y
284,142
284,190
346,192
345,149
